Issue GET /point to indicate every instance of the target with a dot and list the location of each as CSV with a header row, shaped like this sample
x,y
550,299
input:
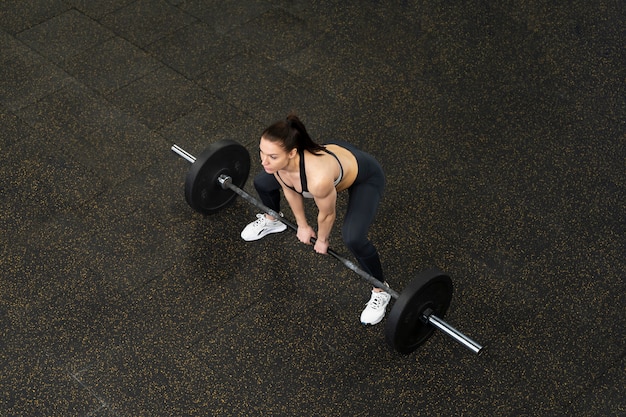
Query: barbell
x,y
216,178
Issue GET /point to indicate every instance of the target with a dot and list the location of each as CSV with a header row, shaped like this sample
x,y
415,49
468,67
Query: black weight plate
x,y
203,192
405,329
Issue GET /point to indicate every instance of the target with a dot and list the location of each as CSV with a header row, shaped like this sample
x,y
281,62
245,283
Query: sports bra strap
x,y
305,189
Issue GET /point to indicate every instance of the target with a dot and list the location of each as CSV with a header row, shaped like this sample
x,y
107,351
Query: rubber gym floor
x,y
501,129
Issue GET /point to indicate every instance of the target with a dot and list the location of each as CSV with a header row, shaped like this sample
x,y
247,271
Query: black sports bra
x,y
305,190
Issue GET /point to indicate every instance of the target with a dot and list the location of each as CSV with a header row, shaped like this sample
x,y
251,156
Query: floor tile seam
x,y
118,87
103,356
111,34
495,268
104,404
119,301
205,93
146,50
107,359
94,95
565,400
193,20
45,19
131,295
57,87
141,48
233,28
537,257
135,296
29,233
99,18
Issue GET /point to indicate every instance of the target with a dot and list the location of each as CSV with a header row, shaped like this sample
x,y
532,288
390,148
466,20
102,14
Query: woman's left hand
x,y
321,246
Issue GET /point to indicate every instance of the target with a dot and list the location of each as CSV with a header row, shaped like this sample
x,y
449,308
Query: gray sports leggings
x,y
363,199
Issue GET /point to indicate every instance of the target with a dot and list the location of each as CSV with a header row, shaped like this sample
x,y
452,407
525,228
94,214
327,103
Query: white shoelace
x,y
260,220
377,301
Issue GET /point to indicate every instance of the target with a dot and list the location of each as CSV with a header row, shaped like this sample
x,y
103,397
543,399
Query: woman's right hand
x,y
305,233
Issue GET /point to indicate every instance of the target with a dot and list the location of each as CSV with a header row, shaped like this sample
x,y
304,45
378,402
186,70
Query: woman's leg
x,y
268,189
362,207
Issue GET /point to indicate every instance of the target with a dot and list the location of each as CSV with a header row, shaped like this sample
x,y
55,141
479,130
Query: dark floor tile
x,y
268,92
97,10
64,36
194,49
126,377
38,385
25,76
17,15
82,240
12,128
93,133
226,15
145,21
160,97
40,183
269,357
215,120
500,128
111,65
603,395
276,34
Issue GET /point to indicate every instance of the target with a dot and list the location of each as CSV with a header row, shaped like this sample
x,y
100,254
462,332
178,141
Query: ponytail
x,y
291,133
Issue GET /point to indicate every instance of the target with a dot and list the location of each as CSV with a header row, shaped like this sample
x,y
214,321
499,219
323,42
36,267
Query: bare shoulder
x,y
349,165
321,172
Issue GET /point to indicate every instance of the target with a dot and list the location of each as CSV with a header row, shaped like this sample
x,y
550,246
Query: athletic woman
x,y
293,162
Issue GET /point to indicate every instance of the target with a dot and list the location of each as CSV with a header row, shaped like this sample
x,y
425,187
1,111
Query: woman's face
x,y
273,156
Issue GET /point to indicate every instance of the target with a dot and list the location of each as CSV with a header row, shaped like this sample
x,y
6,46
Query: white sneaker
x,y
375,309
260,227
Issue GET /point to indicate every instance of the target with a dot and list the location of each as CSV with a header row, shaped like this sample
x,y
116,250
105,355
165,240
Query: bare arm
x,y
326,205
296,202
326,201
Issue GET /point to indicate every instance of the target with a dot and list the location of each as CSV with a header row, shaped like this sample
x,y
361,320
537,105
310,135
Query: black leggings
x,y
363,199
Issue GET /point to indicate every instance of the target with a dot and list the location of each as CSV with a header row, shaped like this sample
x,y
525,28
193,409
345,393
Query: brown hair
x,y
291,134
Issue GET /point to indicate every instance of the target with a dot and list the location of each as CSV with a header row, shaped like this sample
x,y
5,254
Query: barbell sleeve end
x,y
183,153
452,332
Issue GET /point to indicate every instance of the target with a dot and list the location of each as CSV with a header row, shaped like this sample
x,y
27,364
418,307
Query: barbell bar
x,y
215,179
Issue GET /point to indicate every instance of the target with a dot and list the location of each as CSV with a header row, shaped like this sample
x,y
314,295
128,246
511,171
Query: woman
x,y
304,169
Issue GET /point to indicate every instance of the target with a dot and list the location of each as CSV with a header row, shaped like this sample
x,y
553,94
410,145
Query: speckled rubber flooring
x,y
501,129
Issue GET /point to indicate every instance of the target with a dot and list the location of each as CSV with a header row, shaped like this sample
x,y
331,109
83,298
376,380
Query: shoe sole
x,y
374,323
